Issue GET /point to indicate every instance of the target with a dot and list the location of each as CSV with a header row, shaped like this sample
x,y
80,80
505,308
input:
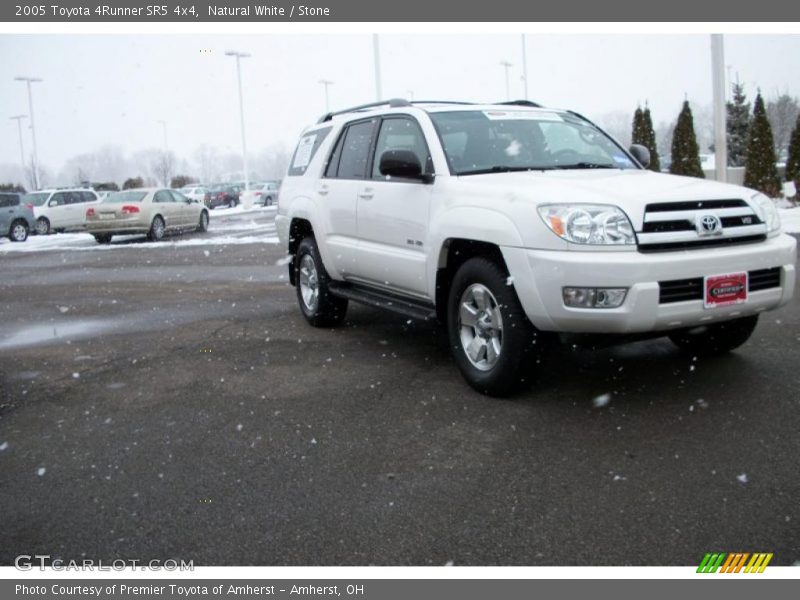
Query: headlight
x,y
767,212
588,223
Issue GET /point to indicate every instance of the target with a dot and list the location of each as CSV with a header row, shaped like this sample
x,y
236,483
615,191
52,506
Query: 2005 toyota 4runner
x,y
511,223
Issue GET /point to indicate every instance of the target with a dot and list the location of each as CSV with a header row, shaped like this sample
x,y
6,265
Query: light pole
x,y
18,119
326,83
376,50
718,85
524,67
29,81
506,65
239,56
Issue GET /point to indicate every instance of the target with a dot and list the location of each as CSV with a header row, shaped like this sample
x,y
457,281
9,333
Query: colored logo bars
x,y
734,562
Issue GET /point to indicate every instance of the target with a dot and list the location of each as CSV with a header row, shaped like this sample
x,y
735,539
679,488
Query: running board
x,y
385,300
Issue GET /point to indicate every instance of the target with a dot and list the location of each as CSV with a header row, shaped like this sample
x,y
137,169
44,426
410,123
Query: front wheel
x,y
157,230
103,238
719,338
202,226
491,338
42,226
18,231
319,306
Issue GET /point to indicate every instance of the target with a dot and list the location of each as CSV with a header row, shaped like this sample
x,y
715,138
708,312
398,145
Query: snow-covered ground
x,y
790,218
227,226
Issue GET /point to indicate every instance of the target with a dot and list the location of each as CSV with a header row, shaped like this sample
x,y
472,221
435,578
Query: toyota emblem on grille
x,y
708,224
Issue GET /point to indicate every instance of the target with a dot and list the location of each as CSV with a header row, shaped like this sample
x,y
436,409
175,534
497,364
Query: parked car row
x,y
262,193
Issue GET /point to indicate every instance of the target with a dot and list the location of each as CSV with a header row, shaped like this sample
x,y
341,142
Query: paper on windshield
x,y
303,154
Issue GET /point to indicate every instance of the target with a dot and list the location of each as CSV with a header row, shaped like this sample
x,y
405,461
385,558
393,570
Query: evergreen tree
x,y
737,122
685,152
760,172
793,161
650,137
637,135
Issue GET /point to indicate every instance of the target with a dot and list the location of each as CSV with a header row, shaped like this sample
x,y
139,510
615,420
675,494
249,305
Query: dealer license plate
x,y
725,290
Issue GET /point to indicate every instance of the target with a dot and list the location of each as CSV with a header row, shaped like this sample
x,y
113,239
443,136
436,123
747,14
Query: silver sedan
x,y
152,211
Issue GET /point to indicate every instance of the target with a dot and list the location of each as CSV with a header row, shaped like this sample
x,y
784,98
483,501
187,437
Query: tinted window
x,y
60,198
178,196
333,160
162,196
9,200
89,196
355,151
401,134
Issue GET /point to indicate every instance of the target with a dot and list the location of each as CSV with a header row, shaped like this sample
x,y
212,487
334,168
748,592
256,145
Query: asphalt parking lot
x,y
171,402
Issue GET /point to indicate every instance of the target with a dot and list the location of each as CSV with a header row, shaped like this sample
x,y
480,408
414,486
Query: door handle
x,y
366,194
322,190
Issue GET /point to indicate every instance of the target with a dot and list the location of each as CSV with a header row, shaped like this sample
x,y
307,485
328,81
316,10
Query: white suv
x,y
512,223
61,209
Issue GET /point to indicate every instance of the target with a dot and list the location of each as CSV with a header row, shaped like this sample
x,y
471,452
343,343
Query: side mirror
x,y
402,163
641,154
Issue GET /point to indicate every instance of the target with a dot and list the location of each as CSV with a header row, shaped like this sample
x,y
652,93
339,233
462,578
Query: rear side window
x,y
163,196
88,196
355,151
306,149
7,200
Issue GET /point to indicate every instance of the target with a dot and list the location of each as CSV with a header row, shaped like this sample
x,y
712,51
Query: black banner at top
x,y
191,11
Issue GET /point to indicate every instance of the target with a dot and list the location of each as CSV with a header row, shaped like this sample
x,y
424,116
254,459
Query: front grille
x,y
671,225
683,290
764,279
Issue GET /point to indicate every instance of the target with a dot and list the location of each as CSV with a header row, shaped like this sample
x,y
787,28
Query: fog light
x,y
576,297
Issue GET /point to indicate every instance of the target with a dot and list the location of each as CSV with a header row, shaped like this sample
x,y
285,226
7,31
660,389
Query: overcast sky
x,y
101,89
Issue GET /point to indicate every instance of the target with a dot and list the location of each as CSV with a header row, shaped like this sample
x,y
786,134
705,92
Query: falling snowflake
x,y
601,401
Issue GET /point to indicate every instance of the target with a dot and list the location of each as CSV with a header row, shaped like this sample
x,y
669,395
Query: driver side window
x,y
401,134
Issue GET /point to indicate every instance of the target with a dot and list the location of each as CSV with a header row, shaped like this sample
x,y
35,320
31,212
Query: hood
x,y
628,189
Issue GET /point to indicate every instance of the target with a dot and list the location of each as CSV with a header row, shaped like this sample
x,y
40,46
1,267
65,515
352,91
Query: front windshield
x,y
498,140
37,199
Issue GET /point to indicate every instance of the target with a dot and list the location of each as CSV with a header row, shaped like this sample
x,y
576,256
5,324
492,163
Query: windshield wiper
x,y
504,169
588,165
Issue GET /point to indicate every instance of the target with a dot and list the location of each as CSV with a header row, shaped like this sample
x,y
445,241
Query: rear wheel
x,y
157,230
18,231
268,201
103,239
42,226
492,341
719,338
319,306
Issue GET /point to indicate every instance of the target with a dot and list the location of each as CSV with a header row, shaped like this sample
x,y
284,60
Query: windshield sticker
x,y
620,159
521,115
303,154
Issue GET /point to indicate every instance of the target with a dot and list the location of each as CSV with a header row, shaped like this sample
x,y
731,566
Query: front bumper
x,y
540,275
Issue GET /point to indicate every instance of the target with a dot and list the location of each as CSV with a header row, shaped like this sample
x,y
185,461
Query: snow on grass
x,y
85,241
790,219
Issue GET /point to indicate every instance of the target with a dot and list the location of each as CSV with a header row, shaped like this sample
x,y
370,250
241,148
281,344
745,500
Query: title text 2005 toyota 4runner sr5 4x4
x,y
511,223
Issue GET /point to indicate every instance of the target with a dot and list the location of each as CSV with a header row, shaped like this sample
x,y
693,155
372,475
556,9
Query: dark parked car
x,y
16,218
222,195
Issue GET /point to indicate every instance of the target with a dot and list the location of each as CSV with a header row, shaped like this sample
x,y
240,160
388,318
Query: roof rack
x,y
521,103
392,103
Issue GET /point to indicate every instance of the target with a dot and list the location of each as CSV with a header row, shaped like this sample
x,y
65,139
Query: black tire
x,y
321,309
268,201
18,231
42,226
719,338
505,348
157,229
202,226
103,238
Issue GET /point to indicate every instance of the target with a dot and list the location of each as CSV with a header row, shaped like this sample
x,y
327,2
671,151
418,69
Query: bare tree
x,y
163,166
207,163
782,114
